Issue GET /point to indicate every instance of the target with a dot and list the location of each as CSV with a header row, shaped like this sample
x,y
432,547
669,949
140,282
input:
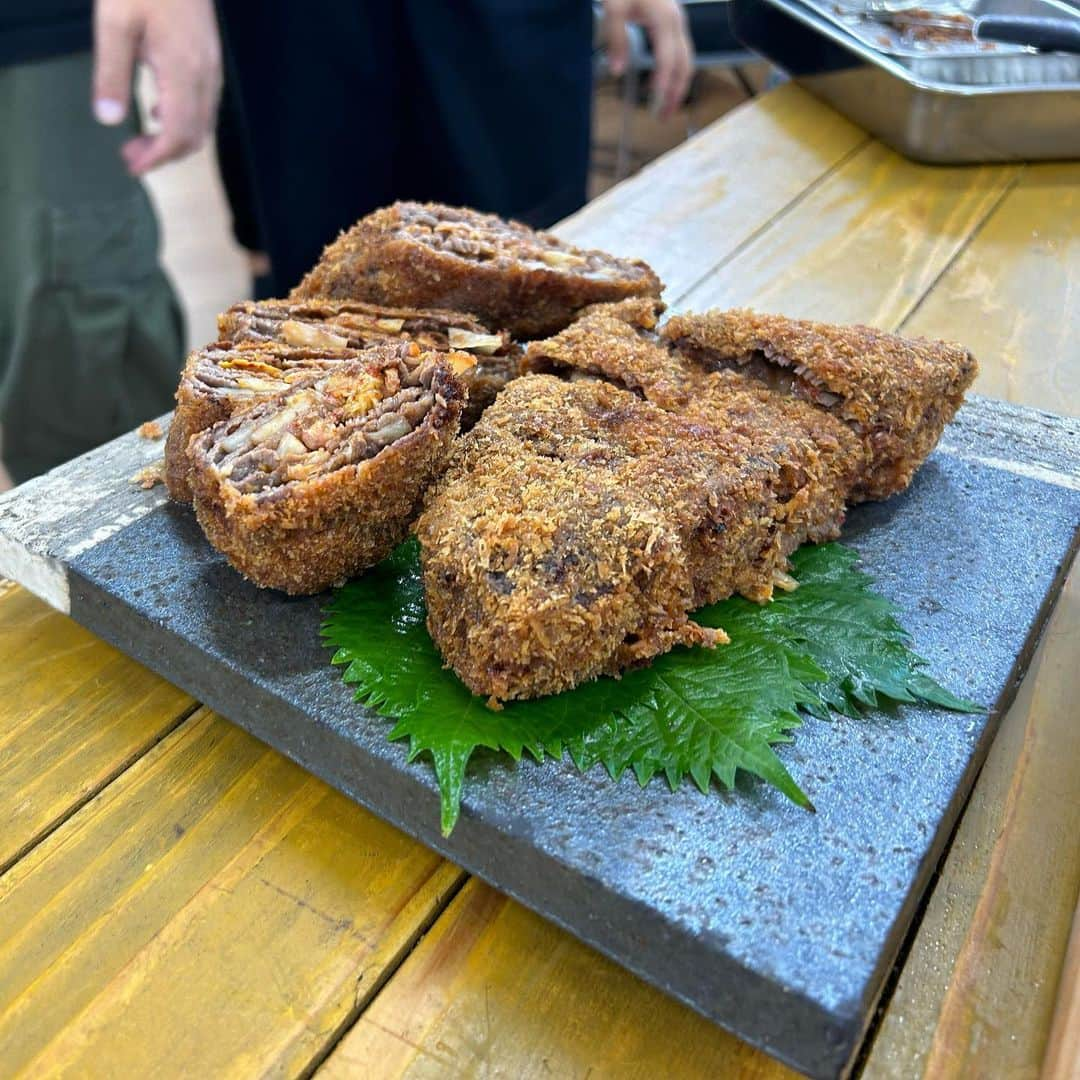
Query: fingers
x,y
115,43
618,40
187,74
673,54
185,113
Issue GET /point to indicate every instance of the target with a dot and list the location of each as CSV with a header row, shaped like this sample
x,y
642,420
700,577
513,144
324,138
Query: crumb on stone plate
x,y
149,429
152,475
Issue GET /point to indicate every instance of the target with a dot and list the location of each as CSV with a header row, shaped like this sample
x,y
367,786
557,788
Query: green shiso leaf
x,y
833,644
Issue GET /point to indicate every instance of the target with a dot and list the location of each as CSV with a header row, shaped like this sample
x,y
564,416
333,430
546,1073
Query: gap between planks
x,y
1008,189
982,974
107,781
789,207
366,994
249,818
1063,1045
76,715
446,878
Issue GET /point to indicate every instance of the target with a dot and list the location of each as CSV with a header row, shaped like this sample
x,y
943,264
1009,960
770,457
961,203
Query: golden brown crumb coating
x,y
819,457
576,528
429,255
222,379
615,341
337,324
303,490
897,394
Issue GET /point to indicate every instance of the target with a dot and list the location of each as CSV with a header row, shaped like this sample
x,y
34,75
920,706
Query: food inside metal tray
x,y
936,41
909,29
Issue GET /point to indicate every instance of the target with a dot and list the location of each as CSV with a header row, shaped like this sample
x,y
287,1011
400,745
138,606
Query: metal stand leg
x,y
742,80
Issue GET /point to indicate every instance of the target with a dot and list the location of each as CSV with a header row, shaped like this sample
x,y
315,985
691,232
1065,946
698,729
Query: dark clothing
x,y
232,158
38,29
347,106
91,335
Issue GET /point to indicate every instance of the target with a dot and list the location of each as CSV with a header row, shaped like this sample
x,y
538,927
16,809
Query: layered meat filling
x,y
354,324
322,423
770,367
485,238
238,378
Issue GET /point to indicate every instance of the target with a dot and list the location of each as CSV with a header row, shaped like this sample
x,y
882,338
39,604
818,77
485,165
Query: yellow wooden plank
x,y
694,206
74,713
216,911
977,992
1015,291
495,990
1063,1045
863,246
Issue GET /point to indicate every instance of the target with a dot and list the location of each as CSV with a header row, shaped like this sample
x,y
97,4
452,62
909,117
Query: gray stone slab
x,y
779,924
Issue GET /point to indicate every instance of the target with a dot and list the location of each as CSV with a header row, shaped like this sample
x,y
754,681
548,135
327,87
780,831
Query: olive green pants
x,y
91,335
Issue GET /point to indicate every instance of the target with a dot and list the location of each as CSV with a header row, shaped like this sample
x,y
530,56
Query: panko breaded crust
x,y
575,529
897,394
224,378
306,489
429,255
331,324
614,341
819,457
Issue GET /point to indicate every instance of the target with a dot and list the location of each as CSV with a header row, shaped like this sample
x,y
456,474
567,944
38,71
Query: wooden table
x,y
176,898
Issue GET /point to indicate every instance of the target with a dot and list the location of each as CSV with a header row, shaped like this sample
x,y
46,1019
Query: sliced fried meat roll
x,y
222,379
338,324
897,394
578,526
307,488
428,255
819,457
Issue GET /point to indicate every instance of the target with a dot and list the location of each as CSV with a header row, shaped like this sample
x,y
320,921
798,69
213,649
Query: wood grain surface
x,y
74,714
729,181
495,988
1014,293
1062,1060
863,246
216,911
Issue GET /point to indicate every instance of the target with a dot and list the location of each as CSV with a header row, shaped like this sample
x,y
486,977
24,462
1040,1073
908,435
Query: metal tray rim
x,y
808,17
911,54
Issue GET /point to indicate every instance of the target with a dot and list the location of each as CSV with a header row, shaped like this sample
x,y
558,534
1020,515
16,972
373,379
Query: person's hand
x,y
673,53
178,41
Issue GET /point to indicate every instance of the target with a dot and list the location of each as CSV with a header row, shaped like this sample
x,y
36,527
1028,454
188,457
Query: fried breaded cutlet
x,y
897,394
306,488
819,457
338,324
576,528
222,379
428,255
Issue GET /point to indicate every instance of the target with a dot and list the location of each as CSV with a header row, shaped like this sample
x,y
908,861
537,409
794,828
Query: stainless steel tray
x,y
972,63
936,120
